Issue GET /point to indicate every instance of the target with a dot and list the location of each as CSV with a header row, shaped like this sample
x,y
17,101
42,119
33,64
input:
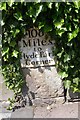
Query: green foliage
x,y
60,20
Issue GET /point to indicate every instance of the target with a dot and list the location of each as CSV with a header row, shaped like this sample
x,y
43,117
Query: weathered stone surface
x,y
48,101
43,102
44,83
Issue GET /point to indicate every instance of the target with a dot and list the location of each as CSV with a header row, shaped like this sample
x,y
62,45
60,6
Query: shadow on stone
x,y
74,97
25,90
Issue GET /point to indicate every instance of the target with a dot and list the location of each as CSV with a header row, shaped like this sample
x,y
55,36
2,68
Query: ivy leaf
x,y
9,108
63,74
76,80
66,57
59,54
73,34
50,5
77,4
18,16
15,32
75,89
61,31
47,28
15,53
41,25
12,43
5,50
2,23
67,84
59,24
3,5
11,86
39,8
19,90
10,3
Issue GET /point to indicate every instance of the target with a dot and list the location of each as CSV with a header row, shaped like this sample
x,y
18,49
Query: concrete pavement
x,y
67,110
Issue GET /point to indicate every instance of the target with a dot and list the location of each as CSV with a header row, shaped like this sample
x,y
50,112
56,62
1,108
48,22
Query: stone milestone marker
x,y
36,49
38,65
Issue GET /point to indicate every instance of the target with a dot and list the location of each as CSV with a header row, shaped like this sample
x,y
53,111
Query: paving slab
x,y
26,112
4,92
68,110
5,115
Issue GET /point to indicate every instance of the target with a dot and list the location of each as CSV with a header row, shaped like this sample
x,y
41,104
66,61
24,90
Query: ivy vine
x,y
60,20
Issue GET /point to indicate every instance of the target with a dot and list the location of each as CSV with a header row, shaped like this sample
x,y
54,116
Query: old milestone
x,y
38,65
36,49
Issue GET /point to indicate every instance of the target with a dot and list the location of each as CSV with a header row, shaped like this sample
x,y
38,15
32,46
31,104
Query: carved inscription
x,y
36,49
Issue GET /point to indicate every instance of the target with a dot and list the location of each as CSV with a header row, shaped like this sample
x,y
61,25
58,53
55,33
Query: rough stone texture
x,y
44,102
44,83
